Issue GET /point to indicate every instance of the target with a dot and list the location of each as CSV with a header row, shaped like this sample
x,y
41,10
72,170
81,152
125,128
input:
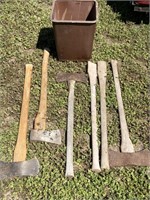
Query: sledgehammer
x,y
20,167
39,133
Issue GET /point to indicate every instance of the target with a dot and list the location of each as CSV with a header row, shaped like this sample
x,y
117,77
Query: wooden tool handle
x,y
69,163
40,120
126,144
20,149
102,72
92,71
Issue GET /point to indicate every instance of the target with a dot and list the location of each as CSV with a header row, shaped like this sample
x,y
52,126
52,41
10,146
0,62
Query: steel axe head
x,y
81,77
53,136
119,159
19,169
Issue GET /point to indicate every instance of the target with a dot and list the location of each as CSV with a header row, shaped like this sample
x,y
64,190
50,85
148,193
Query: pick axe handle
x,y
20,149
102,72
40,120
92,71
69,163
126,144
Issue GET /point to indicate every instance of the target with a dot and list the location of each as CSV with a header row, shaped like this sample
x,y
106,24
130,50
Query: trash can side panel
x,y
74,41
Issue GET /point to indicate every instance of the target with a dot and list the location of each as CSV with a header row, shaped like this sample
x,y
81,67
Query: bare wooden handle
x,y
92,71
21,149
126,144
69,162
40,120
102,72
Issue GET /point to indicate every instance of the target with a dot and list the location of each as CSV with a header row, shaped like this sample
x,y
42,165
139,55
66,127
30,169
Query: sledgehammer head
x,y
19,169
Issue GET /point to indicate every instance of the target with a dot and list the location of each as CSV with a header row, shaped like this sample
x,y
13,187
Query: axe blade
x,y
19,169
53,136
119,159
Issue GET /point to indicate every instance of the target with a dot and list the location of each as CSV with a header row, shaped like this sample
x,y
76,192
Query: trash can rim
x,y
74,22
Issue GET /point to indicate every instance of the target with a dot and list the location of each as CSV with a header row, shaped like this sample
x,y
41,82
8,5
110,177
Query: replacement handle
x,y
21,149
102,72
92,71
126,144
69,163
40,120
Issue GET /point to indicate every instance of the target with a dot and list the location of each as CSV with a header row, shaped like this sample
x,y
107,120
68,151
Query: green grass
x,y
120,34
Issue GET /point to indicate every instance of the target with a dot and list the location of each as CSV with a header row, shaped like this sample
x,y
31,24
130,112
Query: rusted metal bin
x,y
74,24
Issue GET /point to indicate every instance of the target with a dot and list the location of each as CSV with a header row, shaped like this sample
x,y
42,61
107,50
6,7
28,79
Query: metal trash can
x,y
74,24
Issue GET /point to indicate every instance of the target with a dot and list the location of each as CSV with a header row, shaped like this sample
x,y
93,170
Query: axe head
x,y
53,136
81,77
19,169
119,159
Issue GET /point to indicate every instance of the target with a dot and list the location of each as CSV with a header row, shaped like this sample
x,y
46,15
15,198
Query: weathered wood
x,y
126,144
70,123
92,71
102,72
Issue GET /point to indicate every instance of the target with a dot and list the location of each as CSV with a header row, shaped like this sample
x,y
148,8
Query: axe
x,y
39,133
20,167
71,78
110,158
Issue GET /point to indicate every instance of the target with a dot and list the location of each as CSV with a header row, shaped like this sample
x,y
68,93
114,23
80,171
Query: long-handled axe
x,y
92,71
20,167
71,78
126,144
111,158
127,157
39,132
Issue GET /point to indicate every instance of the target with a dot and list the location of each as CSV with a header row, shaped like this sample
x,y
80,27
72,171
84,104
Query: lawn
x,y
120,34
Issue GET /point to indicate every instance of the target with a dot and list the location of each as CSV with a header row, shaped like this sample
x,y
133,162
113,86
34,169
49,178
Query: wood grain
x,y
21,149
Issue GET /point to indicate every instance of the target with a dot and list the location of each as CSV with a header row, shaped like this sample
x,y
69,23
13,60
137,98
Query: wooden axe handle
x,y
92,71
40,120
126,144
69,163
21,149
102,72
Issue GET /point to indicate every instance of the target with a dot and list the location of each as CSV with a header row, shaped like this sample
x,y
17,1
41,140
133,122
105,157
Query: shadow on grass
x,y
46,41
127,13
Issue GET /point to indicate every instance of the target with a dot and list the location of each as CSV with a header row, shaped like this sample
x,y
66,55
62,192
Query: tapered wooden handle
x,y
92,71
21,149
69,163
126,144
102,72
40,120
